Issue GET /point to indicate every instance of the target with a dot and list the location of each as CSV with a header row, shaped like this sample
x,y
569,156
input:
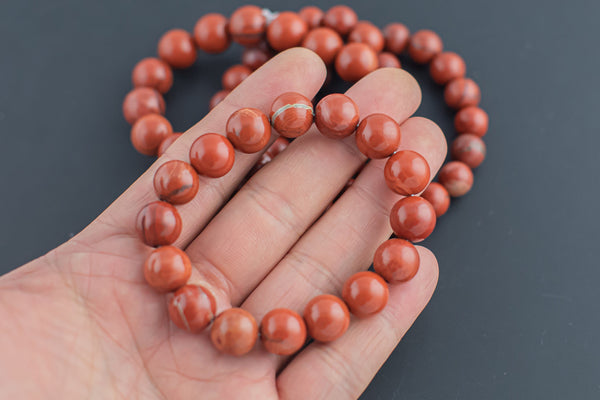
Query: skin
x,y
80,322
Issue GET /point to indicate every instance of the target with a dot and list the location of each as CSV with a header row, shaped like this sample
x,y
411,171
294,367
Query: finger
x,y
264,220
342,369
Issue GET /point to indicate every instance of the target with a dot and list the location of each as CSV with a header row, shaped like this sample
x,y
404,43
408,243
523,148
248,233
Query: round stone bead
x,y
412,218
325,42
142,101
176,182
234,75
177,48
438,196
367,33
167,268
291,114
396,37
407,172
212,155
447,66
234,332
249,130
158,224
210,33
423,45
355,60
341,19
388,60
462,92
378,136
247,25
148,132
313,16
469,149
365,293
279,145
282,331
471,120
168,141
336,116
396,260
286,31
327,318
217,98
456,177
255,57
153,73
192,308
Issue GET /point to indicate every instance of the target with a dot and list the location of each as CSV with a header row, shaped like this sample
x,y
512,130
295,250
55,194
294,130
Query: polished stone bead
x,y
158,224
177,48
211,34
423,45
255,57
167,268
471,120
456,177
407,172
279,145
378,136
469,149
291,114
192,308
412,218
325,42
367,33
447,66
355,60
234,332
282,331
249,130
365,293
247,25
286,31
396,260
142,101
148,132
396,37
386,59
234,75
167,142
153,73
327,318
313,16
212,155
462,92
336,116
176,182
438,196
341,19
217,98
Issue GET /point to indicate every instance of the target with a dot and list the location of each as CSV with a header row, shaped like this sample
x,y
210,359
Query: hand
x,y
81,322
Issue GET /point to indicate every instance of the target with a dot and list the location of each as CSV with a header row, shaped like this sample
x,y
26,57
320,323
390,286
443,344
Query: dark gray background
x,y
515,315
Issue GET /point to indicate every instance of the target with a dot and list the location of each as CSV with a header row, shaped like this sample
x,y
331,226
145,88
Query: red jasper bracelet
x,y
248,130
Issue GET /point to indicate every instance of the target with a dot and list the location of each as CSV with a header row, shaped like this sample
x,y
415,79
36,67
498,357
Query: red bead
x,y
192,308
176,182
291,114
469,149
255,57
471,120
212,155
282,331
247,25
177,48
210,33
158,224
388,60
367,33
396,37
412,218
153,73
438,196
336,116
279,145
341,19
167,268
313,16
456,177
378,136
142,101
447,66
148,132
424,45
217,98
355,60
168,141
286,31
462,92
327,318
249,130
234,332
396,260
325,42
407,172
366,294
234,75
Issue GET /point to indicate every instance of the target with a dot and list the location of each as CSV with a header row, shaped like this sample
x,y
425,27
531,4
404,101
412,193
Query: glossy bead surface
x,y
286,31
247,25
386,59
396,260
378,136
255,57
153,73
279,145
158,224
447,66
291,114
471,120
148,132
367,33
336,116
325,42
234,332
210,33
177,48
248,129
167,142
424,45
412,218
176,182
355,60
341,19
212,155
282,331
456,177
142,101
365,293
462,92
438,196
327,318
313,16
396,37
167,268
217,98
469,149
234,75
192,308
407,172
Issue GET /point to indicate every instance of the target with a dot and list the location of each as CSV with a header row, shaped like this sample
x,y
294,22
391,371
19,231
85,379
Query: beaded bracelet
x,y
248,130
